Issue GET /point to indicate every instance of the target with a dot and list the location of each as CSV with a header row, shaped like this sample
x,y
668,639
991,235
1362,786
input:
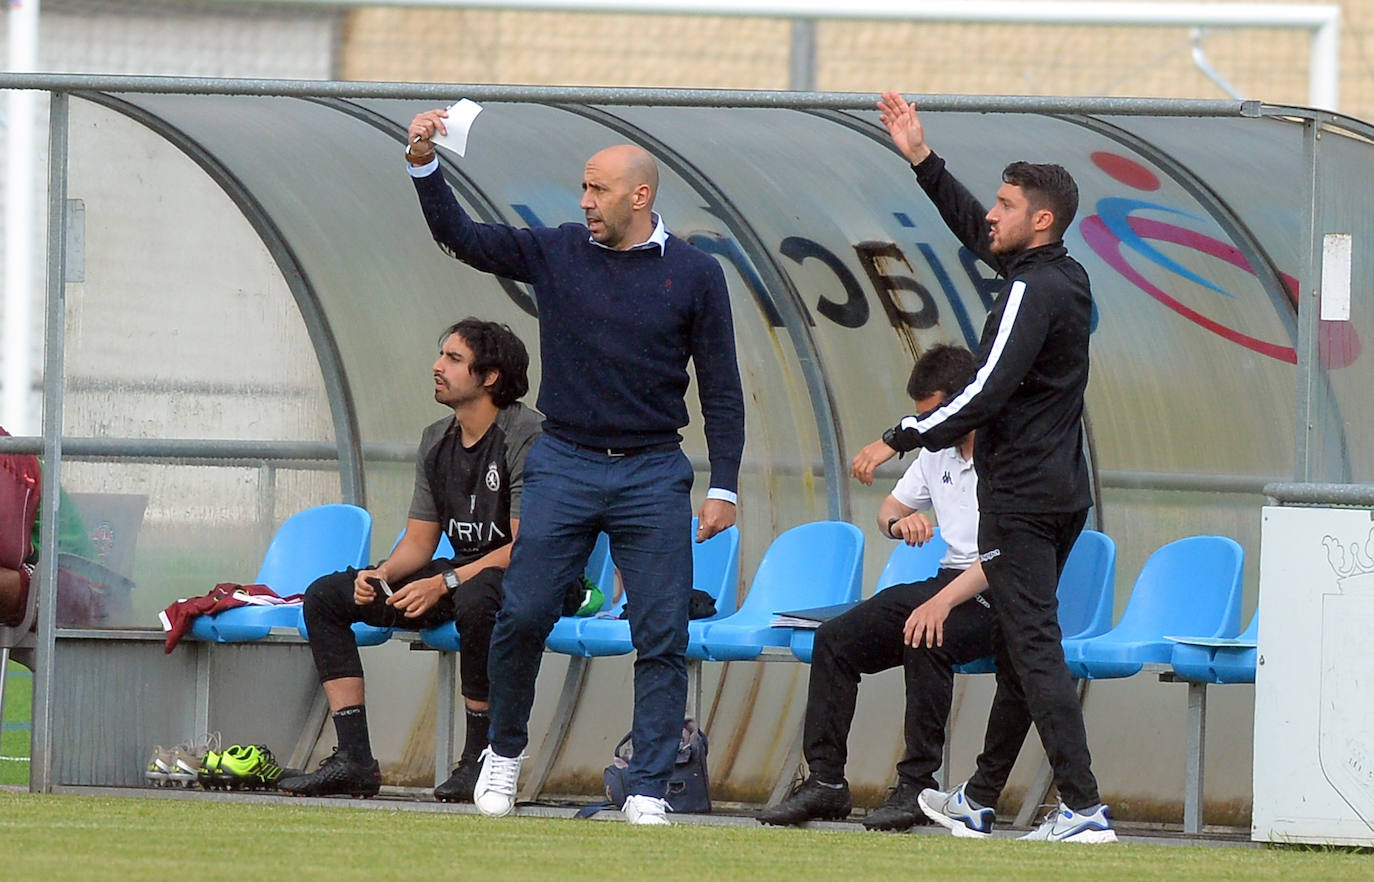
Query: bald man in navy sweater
x,y
623,306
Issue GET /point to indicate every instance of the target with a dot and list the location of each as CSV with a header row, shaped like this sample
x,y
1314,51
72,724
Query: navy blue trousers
x,y
643,503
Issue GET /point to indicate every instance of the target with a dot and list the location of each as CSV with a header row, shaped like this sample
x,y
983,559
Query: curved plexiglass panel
x,y
256,269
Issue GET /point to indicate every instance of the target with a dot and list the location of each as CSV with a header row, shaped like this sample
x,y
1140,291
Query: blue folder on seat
x,y
1218,659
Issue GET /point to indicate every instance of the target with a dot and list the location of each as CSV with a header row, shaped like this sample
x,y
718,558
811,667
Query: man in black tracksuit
x,y
1026,401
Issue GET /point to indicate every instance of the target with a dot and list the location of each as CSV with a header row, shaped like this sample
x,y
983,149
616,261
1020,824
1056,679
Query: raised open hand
x,y
904,125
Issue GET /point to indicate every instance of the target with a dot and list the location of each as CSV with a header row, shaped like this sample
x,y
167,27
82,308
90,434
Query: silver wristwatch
x,y
451,580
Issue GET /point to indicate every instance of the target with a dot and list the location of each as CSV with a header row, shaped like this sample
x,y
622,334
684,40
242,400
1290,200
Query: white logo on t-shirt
x,y
493,478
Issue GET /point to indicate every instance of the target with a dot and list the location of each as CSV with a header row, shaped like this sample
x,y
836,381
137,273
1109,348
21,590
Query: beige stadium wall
x,y
486,46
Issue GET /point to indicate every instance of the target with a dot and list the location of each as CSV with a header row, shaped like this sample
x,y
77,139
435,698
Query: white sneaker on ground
x,y
1066,825
494,794
954,811
646,810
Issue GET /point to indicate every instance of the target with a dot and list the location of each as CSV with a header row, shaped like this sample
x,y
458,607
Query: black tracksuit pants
x,y
330,612
868,639
1023,555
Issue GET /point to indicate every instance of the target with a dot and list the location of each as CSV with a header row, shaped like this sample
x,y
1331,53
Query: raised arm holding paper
x,y
624,305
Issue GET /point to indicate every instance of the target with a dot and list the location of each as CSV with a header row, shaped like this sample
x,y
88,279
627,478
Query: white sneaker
x,y
1066,825
494,794
952,810
646,810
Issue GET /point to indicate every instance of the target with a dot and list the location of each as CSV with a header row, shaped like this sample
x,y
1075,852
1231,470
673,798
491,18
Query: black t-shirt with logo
x,y
474,492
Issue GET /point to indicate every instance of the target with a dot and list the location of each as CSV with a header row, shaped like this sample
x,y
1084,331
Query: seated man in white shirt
x,y
927,627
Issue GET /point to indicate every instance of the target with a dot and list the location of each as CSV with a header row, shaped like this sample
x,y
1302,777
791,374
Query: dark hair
x,y
495,348
943,368
1047,186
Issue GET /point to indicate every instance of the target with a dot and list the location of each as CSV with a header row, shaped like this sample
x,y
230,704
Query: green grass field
x,y
14,739
79,837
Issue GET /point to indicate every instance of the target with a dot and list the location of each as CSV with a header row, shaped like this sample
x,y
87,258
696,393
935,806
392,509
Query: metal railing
x,y
1293,493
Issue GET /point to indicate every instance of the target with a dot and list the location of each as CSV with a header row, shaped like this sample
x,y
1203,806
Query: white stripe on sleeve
x,y
971,391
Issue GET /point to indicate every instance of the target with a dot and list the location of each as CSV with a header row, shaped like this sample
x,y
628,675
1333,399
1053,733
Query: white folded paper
x,y
459,123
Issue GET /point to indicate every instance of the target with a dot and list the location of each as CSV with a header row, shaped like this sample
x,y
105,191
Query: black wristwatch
x,y
451,580
891,522
890,439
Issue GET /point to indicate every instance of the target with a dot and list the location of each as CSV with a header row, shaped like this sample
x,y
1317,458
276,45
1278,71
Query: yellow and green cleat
x,y
246,767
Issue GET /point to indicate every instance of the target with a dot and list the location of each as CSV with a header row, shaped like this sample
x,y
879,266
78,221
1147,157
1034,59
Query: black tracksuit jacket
x,y
1026,400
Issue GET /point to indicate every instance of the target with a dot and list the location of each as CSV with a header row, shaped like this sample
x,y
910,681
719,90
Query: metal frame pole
x,y
1308,294
1324,65
801,58
22,24
1193,808
40,763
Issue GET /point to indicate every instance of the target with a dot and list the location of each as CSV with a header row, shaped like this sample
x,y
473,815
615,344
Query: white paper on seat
x,y
1214,641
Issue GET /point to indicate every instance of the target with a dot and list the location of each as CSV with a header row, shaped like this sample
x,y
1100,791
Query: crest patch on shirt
x,y
493,477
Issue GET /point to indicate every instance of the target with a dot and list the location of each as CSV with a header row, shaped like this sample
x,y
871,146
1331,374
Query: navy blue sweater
x,y
616,330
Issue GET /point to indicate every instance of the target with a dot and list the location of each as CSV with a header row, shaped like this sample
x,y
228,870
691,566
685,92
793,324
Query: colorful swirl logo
x,y
1119,223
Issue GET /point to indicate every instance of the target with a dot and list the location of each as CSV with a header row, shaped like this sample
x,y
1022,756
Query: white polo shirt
x,y
945,481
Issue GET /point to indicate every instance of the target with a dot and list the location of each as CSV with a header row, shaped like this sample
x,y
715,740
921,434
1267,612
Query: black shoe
x,y
459,786
900,811
812,801
338,775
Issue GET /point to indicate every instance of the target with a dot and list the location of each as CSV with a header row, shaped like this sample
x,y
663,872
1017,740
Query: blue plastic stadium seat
x,y
1210,661
1200,661
600,570
906,563
309,544
715,570
1191,586
811,565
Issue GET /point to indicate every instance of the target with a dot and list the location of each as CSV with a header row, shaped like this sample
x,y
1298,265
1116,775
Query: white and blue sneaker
x,y
953,811
1066,825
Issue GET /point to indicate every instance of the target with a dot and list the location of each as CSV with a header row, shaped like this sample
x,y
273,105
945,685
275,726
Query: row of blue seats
x,y
1184,608
328,538
1182,615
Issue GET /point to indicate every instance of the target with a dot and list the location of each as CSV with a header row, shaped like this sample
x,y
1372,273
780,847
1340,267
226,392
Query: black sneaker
x,y
900,811
812,801
338,775
459,786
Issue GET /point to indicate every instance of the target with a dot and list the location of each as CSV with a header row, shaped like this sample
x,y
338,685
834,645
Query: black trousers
x,y
868,639
1023,555
330,611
